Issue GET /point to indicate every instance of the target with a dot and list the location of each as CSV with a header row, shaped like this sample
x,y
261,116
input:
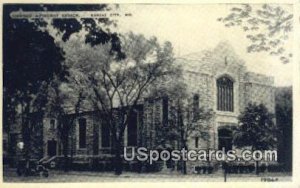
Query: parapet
x,y
252,77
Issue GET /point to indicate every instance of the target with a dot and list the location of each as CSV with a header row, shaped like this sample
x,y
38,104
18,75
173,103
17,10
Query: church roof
x,y
204,61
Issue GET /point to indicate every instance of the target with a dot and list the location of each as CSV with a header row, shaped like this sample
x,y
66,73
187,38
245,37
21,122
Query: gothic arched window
x,y
225,94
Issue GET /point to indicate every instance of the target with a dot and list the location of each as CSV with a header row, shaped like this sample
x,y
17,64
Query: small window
x,y
82,133
196,107
196,102
52,124
196,142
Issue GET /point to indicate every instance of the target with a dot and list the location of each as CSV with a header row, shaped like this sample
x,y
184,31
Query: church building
x,y
217,79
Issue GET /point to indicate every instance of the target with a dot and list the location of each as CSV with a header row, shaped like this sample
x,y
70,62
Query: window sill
x,y
227,113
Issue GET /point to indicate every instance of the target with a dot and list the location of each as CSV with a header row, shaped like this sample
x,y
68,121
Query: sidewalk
x,y
88,176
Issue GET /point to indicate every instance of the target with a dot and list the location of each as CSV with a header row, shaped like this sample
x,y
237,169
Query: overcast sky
x,y
193,28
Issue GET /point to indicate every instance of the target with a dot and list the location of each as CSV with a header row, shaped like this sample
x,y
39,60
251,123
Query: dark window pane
x,y
82,133
165,111
105,136
52,124
132,130
196,142
196,107
196,101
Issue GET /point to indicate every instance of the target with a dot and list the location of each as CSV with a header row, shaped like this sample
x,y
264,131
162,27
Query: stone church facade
x,y
222,82
217,79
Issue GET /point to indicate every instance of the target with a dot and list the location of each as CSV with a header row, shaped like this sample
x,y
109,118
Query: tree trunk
x,y
256,163
66,143
26,134
184,162
184,168
66,161
257,168
182,135
118,159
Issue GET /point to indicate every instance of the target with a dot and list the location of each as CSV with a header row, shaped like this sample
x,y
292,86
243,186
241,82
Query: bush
x,y
204,169
135,167
262,168
275,168
251,168
210,169
80,166
243,169
239,168
154,167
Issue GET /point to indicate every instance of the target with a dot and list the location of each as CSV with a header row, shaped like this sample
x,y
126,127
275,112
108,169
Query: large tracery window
x,y
225,94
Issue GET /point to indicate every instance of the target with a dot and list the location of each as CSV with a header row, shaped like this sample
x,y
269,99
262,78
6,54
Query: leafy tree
x,y
187,118
268,27
36,43
69,93
284,121
193,121
64,102
27,69
114,83
256,129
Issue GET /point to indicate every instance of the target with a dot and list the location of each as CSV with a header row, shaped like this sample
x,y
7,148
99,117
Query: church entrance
x,y
225,138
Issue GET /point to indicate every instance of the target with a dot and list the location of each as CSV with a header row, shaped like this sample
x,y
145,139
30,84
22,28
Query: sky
x,y
193,28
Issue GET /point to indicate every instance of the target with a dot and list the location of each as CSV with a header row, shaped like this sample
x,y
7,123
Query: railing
x,y
43,159
49,160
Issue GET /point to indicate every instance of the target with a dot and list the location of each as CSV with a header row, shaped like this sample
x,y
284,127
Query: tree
x,y
268,28
116,84
188,119
28,44
64,103
284,121
194,121
36,43
27,72
68,95
256,129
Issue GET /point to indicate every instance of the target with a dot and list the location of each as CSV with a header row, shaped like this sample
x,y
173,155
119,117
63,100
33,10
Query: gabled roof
x,y
205,61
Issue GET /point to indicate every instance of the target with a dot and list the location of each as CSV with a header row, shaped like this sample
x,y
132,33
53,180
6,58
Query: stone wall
x,y
152,122
259,89
248,87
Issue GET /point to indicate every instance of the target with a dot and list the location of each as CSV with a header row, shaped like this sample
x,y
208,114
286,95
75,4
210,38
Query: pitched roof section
x,y
205,61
